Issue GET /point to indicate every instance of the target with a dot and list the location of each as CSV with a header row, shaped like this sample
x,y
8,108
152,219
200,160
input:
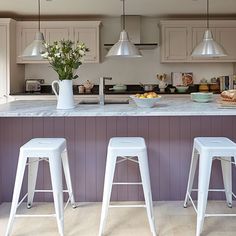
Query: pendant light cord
x,y
207,14
123,14
39,15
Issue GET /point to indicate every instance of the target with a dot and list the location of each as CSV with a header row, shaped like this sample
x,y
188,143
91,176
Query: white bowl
x,y
202,97
181,89
145,102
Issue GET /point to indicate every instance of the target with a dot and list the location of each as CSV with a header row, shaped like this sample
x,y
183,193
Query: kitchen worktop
x,y
168,106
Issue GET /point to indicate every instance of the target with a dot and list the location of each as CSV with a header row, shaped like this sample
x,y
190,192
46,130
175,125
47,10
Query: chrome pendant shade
x,y
124,48
36,48
208,47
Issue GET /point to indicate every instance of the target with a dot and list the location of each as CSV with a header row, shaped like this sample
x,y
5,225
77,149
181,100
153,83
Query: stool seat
x,y
206,150
38,147
127,148
218,145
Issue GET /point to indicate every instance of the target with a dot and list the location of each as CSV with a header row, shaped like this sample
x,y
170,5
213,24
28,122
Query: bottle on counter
x,y
234,81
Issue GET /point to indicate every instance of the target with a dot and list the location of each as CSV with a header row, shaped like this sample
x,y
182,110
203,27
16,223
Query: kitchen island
x,y
168,128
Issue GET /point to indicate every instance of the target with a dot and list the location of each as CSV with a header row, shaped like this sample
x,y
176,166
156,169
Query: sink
x,y
109,101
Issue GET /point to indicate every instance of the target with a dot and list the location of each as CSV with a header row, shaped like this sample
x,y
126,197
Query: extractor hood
x,y
133,27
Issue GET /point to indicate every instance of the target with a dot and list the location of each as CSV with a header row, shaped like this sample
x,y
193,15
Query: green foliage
x,y
65,57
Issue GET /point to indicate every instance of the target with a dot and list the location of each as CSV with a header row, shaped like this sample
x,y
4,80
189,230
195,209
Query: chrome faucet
x,y
102,89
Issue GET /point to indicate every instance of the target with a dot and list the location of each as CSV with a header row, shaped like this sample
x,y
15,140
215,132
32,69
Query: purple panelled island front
x,y
169,141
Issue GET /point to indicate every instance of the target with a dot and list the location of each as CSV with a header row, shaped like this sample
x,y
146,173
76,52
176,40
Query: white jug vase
x,y
65,99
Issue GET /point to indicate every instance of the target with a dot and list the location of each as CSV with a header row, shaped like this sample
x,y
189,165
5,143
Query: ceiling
x,y
114,7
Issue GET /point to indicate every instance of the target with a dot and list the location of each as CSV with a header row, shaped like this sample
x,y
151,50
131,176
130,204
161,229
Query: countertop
x,y
168,106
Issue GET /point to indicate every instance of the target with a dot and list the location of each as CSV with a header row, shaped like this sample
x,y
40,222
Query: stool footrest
x,y
48,191
26,216
127,183
209,215
127,206
211,190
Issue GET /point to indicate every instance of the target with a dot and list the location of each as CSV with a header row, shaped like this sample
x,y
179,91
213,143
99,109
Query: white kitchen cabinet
x,y
11,74
3,61
180,37
85,31
90,37
26,33
227,38
172,35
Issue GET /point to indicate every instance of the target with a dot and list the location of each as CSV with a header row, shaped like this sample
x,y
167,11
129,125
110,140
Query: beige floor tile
x,y
171,220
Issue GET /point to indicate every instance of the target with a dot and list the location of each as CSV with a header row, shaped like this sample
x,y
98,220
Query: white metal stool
x,y
54,151
208,149
127,148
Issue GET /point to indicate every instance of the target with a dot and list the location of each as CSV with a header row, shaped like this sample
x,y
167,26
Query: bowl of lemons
x,y
146,99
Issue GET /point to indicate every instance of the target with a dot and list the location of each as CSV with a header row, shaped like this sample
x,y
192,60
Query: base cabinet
x,y
179,38
83,31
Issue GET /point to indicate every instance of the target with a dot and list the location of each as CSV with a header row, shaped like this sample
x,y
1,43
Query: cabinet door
x,y
197,37
3,62
227,38
90,37
175,42
57,34
27,36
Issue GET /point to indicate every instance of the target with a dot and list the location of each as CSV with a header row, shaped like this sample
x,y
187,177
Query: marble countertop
x,y
168,106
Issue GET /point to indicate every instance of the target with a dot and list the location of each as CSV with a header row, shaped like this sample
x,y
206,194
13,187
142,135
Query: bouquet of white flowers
x,y
65,57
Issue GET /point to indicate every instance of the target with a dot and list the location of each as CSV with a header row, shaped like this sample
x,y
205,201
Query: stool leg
x,y
227,179
66,168
205,164
56,177
192,171
145,176
16,194
32,177
109,175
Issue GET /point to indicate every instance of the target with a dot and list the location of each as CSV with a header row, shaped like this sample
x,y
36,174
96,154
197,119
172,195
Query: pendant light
x,y
36,48
124,48
208,47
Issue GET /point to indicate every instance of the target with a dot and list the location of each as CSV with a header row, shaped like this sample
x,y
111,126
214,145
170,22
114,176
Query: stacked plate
x,y
202,97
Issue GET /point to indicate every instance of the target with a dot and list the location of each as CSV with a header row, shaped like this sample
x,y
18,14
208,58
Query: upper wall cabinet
x,y
84,31
179,38
11,74
173,35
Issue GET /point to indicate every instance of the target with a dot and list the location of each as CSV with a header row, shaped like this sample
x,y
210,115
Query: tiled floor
x,y
171,219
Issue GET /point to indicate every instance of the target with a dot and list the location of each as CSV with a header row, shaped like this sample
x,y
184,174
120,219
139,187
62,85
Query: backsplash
x,y
133,71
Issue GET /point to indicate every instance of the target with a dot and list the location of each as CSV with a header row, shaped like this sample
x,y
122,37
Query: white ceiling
x,y
114,7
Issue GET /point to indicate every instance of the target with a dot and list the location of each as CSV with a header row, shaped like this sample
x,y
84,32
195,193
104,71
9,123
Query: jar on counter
x,y
203,88
81,89
214,87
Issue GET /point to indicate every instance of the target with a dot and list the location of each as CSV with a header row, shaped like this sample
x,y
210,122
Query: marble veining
x,y
168,106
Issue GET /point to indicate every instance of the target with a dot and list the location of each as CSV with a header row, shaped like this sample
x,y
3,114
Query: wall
x,y
132,71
